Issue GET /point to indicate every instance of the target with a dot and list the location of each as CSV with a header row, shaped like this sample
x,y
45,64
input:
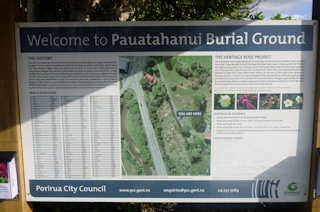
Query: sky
x,y
297,9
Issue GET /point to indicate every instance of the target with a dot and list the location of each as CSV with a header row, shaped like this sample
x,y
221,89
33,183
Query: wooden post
x,y
316,201
10,135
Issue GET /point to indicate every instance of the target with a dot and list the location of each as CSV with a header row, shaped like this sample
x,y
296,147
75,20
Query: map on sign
x,y
152,100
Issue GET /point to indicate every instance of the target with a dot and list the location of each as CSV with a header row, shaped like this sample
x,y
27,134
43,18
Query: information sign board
x,y
167,111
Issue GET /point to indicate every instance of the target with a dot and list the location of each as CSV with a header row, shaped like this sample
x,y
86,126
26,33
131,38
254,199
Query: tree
x,y
173,87
48,10
78,10
200,69
195,154
160,92
168,63
278,17
145,156
195,84
194,66
150,63
198,123
192,9
156,71
128,95
203,78
179,69
256,16
185,131
137,10
109,10
145,84
133,106
198,141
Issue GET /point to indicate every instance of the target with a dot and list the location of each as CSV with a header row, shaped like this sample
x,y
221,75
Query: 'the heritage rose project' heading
x,y
167,38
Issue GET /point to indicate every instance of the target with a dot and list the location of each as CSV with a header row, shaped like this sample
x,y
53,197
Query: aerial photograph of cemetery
x,y
166,115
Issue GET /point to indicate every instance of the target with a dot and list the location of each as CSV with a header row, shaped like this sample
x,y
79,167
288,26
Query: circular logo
x,y
292,186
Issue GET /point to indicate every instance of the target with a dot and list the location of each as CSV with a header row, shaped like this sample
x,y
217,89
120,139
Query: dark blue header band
x,y
167,38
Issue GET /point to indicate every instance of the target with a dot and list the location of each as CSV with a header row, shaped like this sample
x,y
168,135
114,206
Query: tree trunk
x,y
79,9
30,11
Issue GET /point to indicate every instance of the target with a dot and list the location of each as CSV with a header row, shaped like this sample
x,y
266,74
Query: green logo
x,y
292,186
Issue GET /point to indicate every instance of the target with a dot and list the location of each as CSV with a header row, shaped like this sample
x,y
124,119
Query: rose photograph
x,y
292,101
269,101
224,101
247,101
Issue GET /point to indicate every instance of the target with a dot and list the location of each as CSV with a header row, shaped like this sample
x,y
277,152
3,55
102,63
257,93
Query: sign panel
x,y
167,111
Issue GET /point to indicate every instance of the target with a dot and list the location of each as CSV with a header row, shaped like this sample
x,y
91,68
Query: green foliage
x,y
128,95
199,154
160,93
145,84
133,102
197,142
194,66
183,71
203,78
130,162
145,70
185,131
195,72
190,9
198,123
195,84
3,180
278,17
168,63
49,10
145,155
256,16
136,130
173,87
106,10
150,63
156,72
195,154
148,10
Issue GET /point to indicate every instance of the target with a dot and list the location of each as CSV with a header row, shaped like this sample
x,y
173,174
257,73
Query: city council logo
x,y
292,186
292,189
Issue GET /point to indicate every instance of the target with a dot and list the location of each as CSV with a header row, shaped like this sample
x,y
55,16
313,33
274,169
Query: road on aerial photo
x,y
132,81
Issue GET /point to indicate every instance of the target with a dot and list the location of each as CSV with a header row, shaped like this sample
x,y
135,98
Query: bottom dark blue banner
x,y
155,188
